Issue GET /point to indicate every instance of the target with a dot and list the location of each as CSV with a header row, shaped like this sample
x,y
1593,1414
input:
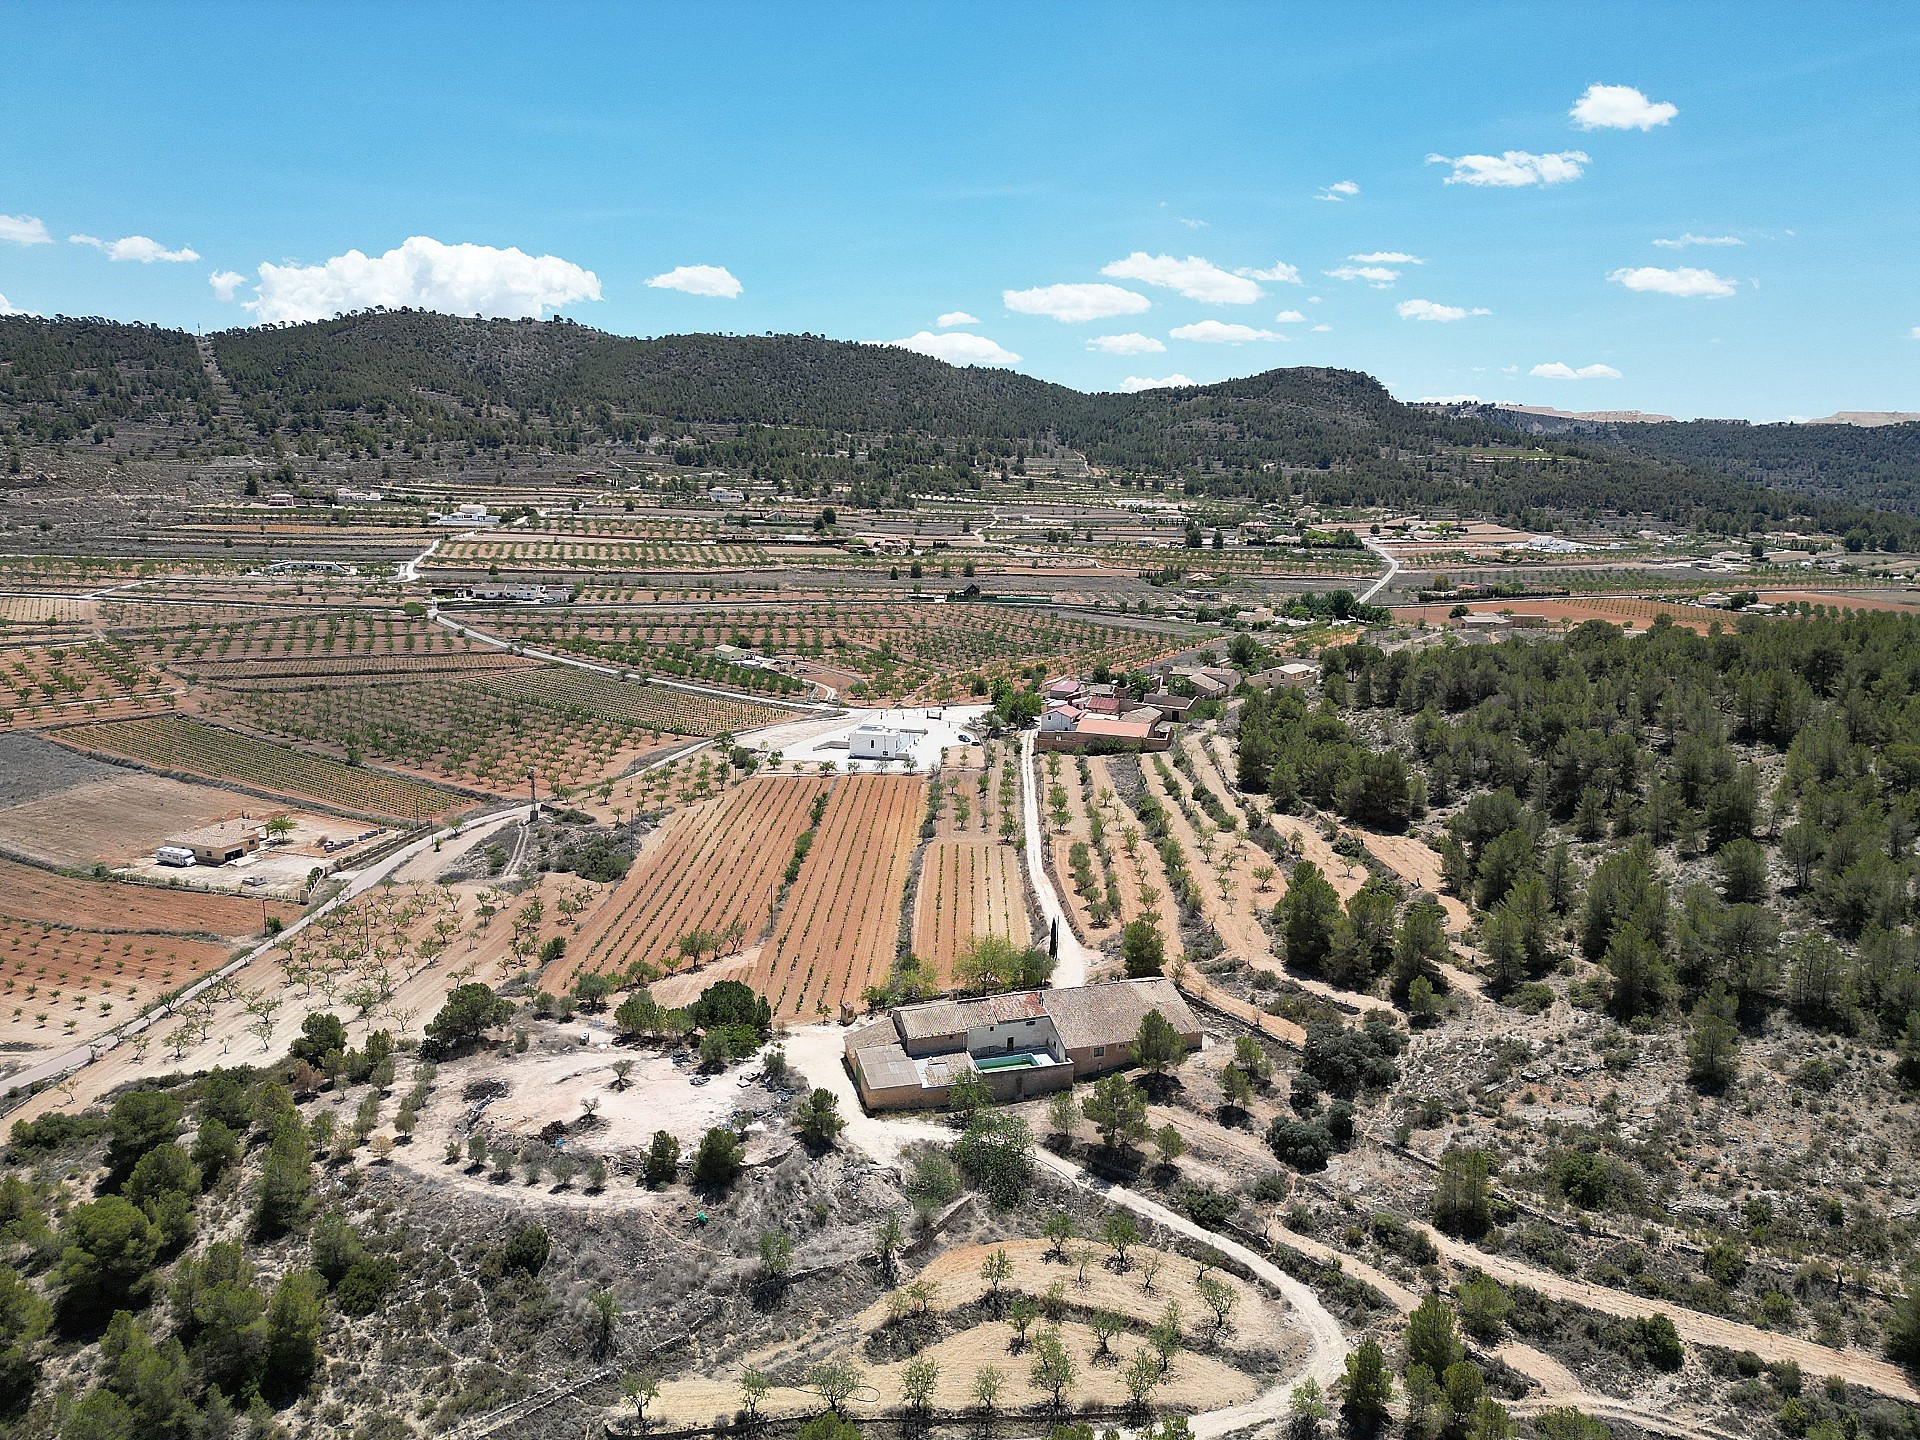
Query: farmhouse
x,y
468,514
514,590
881,742
1072,727
215,844
1025,1043
1295,673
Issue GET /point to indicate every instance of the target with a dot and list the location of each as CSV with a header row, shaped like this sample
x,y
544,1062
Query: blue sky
x,y
863,170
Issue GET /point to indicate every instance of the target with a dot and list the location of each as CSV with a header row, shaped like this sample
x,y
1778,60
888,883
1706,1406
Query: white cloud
x,y
1281,271
1071,304
1378,276
1555,370
1428,310
1193,224
1684,281
1290,317
1914,334
1388,257
1619,107
714,281
1683,241
424,272
226,282
1321,329
956,317
1513,167
1193,277
1131,343
957,347
1218,332
1338,191
137,248
1133,384
7,307
24,230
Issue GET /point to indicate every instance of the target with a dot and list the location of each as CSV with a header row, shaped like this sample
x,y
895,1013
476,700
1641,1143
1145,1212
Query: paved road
x,y
1393,569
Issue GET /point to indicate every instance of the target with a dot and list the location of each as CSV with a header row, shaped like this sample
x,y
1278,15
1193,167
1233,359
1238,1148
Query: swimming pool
x,y
1017,1060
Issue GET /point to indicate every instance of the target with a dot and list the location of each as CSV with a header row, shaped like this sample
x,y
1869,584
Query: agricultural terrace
x,y
78,957
45,617
96,679
969,887
839,928
964,1321
185,746
461,733
295,645
912,653
385,961
662,710
713,872
518,550
642,652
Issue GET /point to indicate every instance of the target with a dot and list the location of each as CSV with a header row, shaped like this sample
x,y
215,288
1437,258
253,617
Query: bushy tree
x,y
1142,950
107,1253
719,1159
469,1012
1306,916
1118,1109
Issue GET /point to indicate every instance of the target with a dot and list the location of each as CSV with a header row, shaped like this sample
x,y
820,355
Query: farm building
x,y
881,742
1069,727
1295,673
219,843
469,514
526,592
1025,1043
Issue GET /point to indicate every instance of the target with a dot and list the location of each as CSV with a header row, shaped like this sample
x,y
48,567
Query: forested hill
x,y
777,404
1874,466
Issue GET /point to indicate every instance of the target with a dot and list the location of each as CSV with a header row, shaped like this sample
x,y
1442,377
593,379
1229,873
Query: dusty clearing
x,y
117,819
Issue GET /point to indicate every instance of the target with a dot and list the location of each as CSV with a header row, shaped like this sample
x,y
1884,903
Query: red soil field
x,y
840,926
36,895
76,983
969,886
716,864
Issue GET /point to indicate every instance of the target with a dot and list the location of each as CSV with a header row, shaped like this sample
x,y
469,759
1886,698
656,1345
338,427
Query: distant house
x,y
1170,706
1025,1043
468,516
518,591
721,495
215,844
1295,674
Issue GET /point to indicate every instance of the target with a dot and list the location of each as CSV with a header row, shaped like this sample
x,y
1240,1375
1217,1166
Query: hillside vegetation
x,y
800,408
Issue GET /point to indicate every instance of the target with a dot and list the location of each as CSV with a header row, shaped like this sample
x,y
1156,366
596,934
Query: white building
x,y
880,742
467,515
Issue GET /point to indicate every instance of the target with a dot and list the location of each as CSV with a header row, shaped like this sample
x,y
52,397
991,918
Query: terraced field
x,y
839,927
718,865
969,886
186,746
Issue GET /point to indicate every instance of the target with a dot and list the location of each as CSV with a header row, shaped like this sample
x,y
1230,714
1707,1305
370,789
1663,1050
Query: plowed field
x,y
717,864
839,928
969,886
